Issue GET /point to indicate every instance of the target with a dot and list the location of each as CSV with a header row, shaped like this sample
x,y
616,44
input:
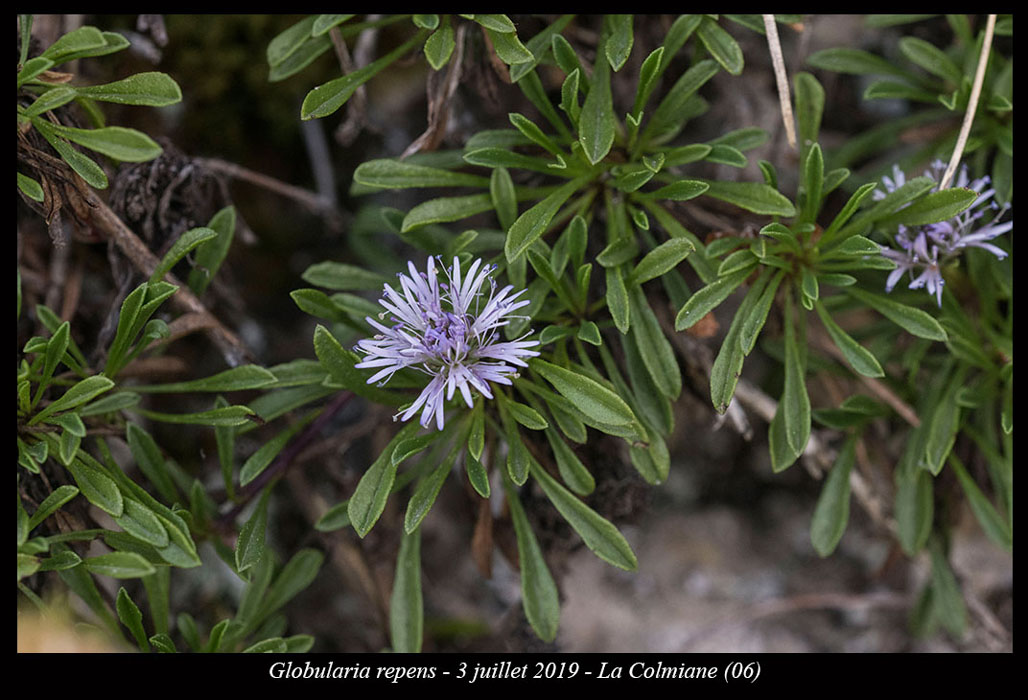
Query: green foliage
x,y
42,93
581,202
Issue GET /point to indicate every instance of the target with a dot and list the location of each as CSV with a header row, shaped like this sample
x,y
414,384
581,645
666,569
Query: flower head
x,y
447,329
924,249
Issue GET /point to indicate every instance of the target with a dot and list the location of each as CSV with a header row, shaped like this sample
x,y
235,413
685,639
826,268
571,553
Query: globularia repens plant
x,y
556,318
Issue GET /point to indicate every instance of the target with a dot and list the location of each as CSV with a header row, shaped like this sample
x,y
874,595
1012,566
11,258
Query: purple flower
x,y
923,250
448,330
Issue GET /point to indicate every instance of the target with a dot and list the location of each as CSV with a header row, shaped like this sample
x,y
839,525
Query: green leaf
x,y
426,21
795,403
707,299
326,99
150,461
86,167
151,89
589,332
55,349
539,46
856,61
235,379
49,100
111,403
946,594
833,505
333,275
509,48
298,573
340,365
942,425
661,260
618,46
444,209
82,39
262,458
60,561
119,565
525,415
427,490
497,23
848,210
394,174
859,357
141,522
210,254
588,396
27,565
533,223
132,618
518,457
287,42
914,510
274,645
369,499
250,545
50,504
931,58
596,122
756,197
230,415
721,45
33,67
668,117
185,243
933,207
754,321
322,23
810,104
655,349
532,131
335,518
116,142
571,469
406,608
912,320
680,191
85,390
994,526
813,181
31,189
539,595
598,533
478,477
782,454
439,46
304,55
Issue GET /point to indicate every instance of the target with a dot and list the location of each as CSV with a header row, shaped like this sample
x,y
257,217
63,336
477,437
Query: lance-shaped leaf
x,y
859,357
533,223
833,505
539,595
406,609
912,320
795,403
598,533
151,89
326,99
369,499
588,396
596,122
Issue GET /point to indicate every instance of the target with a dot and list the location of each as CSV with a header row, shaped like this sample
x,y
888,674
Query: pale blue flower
x,y
449,330
923,250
